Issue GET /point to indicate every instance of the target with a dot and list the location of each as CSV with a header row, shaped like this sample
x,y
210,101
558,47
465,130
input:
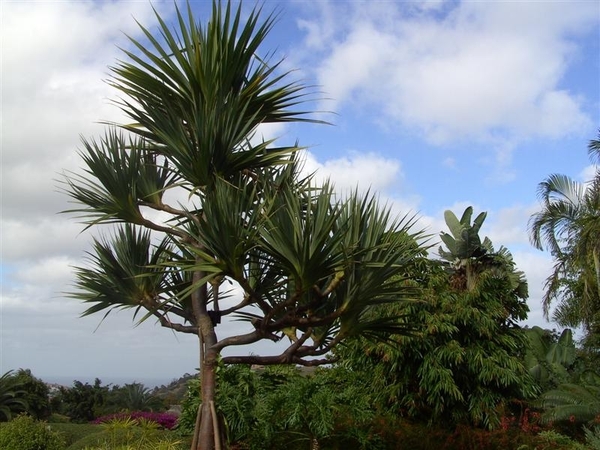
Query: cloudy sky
x,y
438,105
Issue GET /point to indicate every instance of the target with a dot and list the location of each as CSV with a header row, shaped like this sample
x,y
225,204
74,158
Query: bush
x,y
25,433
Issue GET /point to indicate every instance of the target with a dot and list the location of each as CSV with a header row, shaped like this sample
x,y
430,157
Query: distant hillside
x,y
174,392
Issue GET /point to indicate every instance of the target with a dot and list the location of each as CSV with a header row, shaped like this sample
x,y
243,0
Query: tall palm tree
x,y
569,226
310,266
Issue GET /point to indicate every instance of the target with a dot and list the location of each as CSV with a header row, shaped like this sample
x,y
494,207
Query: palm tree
x,y
310,266
137,397
569,226
11,396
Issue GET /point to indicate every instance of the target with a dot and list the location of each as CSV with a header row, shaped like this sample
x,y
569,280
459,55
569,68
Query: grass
x,y
74,432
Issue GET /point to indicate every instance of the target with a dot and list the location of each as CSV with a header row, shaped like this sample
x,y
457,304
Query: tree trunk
x,y
208,434
596,256
314,444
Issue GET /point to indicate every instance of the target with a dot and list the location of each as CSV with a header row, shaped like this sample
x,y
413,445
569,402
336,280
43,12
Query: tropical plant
x,y
549,358
464,248
199,204
277,405
12,396
577,400
464,361
592,437
568,225
135,397
312,410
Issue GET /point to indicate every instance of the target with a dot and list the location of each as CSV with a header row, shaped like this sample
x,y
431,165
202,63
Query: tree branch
x,y
244,339
169,209
167,230
165,322
280,359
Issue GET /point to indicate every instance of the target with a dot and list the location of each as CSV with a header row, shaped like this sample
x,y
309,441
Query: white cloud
x,y
537,267
588,173
365,171
450,163
37,238
508,226
483,68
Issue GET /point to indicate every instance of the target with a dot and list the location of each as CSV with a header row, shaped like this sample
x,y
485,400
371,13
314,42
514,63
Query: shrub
x,y
25,433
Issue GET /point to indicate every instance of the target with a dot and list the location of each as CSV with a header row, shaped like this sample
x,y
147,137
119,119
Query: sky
x,y
434,105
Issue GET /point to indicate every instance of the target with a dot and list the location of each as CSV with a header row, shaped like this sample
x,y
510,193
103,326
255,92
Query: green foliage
x,y
592,437
549,359
463,242
132,397
189,408
326,406
560,440
237,397
12,396
25,433
578,401
36,394
85,402
278,405
465,359
72,432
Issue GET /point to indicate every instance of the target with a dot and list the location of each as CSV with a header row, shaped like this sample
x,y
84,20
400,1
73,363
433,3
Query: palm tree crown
x,y
569,227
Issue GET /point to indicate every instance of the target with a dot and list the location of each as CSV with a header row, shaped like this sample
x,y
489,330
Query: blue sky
x,y
438,105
